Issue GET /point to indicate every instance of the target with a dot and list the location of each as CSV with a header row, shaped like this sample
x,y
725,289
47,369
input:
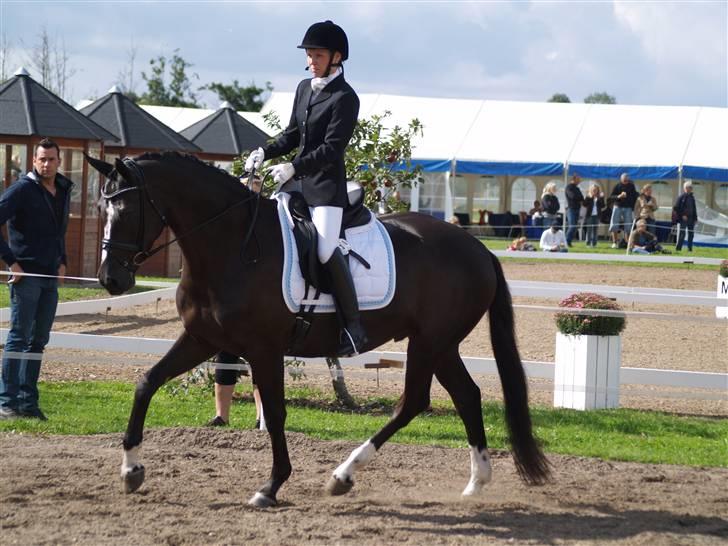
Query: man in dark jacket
x,y
36,211
686,214
624,196
574,199
324,116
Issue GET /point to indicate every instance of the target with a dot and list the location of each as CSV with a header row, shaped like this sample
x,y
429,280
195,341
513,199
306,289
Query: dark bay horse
x,y
229,298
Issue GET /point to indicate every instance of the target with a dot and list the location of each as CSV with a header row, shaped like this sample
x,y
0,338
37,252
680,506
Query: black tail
x,y
532,465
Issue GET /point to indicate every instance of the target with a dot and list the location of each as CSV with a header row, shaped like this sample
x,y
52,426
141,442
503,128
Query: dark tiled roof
x,y
225,132
135,127
27,108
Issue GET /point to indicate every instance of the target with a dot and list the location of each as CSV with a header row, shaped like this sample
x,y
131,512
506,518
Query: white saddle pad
x,y
374,287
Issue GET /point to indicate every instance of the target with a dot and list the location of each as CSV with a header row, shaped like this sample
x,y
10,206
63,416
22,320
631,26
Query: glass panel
x,y
721,197
94,178
486,195
18,165
662,192
523,194
432,194
700,191
72,167
460,187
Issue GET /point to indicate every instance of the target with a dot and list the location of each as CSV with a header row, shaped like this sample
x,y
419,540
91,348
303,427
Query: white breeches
x,y
328,224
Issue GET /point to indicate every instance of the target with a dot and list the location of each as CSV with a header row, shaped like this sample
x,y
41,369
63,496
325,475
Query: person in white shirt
x,y
553,240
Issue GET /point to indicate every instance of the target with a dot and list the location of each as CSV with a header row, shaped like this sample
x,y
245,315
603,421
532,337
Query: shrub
x,y
724,268
589,325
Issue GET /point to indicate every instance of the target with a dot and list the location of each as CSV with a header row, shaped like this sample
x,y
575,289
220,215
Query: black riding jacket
x,y
321,128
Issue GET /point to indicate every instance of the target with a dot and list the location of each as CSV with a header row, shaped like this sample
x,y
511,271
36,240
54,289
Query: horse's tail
x,y
532,465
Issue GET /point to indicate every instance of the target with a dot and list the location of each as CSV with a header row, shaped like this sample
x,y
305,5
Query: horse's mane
x,y
220,174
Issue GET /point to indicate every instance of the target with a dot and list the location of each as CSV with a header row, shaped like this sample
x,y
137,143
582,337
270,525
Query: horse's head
x,y
133,222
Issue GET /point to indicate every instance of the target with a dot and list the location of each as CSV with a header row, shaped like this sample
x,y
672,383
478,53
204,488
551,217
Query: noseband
x,y
139,255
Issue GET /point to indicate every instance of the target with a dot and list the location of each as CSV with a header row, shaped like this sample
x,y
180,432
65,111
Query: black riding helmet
x,y
326,35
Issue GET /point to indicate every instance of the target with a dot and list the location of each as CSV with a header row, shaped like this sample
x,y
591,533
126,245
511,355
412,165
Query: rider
x,y
324,115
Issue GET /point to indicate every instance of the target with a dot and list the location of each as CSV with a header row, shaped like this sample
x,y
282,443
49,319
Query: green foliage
x,y
589,325
200,377
622,434
600,98
245,99
178,92
724,268
559,97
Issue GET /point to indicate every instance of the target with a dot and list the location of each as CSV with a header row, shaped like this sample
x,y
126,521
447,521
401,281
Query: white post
x,y
722,293
448,198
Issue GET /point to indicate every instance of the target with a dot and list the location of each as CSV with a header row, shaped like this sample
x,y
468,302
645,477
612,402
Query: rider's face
x,y
318,60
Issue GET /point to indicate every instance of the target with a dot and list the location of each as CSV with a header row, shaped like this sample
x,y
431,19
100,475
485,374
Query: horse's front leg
x,y
185,354
268,374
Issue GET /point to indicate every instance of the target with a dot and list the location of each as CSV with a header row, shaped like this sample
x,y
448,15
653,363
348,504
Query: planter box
x,y
586,374
722,293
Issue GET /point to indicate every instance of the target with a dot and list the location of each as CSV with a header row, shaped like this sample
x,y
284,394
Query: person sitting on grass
x,y
520,244
553,240
642,241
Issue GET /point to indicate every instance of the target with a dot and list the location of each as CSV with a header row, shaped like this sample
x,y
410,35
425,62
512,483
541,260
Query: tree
x,y
600,98
125,77
559,97
179,92
5,51
245,99
50,60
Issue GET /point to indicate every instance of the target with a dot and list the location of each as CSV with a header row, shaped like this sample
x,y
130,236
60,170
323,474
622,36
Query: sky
x,y
641,52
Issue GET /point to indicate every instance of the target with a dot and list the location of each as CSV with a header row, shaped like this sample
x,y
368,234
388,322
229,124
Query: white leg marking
x,y
131,461
107,228
359,458
480,471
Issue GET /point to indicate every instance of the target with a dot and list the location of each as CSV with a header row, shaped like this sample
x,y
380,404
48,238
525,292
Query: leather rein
x,y
139,255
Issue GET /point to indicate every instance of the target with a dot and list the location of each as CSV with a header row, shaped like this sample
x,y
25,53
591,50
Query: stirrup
x,y
350,346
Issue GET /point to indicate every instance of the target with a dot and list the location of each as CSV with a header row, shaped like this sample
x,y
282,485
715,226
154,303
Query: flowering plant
x,y
589,325
724,268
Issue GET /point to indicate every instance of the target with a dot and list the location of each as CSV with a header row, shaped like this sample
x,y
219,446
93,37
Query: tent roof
x,y
135,127
706,157
27,108
225,132
179,118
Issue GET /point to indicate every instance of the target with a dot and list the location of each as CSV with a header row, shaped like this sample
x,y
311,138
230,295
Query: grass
x,y
71,293
621,434
579,247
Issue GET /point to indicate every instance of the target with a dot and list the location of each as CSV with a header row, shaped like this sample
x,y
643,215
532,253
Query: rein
x,y
142,255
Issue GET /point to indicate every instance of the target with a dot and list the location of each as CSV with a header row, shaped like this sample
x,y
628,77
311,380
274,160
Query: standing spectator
x,y
685,213
574,199
624,196
36,211
549,203
594,204
646,207
552,239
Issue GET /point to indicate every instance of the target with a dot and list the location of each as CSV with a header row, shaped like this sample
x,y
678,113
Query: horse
x,y
229,297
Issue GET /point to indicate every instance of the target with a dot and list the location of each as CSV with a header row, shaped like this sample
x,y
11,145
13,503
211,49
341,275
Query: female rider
x,y
324,114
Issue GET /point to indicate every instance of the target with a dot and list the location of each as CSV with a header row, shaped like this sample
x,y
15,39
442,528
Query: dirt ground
x,y
65,490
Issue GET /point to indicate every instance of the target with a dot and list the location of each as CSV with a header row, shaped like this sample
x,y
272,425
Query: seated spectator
x,y
454,220
594,204
642,241
549,202
553,240
520,244
536,213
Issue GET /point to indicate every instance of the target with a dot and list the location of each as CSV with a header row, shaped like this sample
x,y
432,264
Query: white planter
x,y
586,374
721,292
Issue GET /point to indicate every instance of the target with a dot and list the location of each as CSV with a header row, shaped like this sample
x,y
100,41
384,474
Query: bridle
x,y
136,250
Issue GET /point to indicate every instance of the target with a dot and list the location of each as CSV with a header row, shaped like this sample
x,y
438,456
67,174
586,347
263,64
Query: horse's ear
x,y
122,169
102,166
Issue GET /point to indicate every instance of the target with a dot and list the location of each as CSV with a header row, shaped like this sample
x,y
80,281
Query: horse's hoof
x,y
133,479
259,500
336,487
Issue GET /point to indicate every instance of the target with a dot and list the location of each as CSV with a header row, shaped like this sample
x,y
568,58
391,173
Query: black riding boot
x,y
353,337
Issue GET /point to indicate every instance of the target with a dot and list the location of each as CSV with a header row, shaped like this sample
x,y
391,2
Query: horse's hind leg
x,y
421,359
185,354
465,394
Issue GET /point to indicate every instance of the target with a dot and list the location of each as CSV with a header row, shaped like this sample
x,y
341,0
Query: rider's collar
x,y
317,84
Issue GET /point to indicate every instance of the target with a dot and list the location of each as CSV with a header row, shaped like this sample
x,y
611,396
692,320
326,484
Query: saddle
x,y
304,231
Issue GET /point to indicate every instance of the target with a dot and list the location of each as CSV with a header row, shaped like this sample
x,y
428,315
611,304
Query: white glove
x,y
282,173
255,160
